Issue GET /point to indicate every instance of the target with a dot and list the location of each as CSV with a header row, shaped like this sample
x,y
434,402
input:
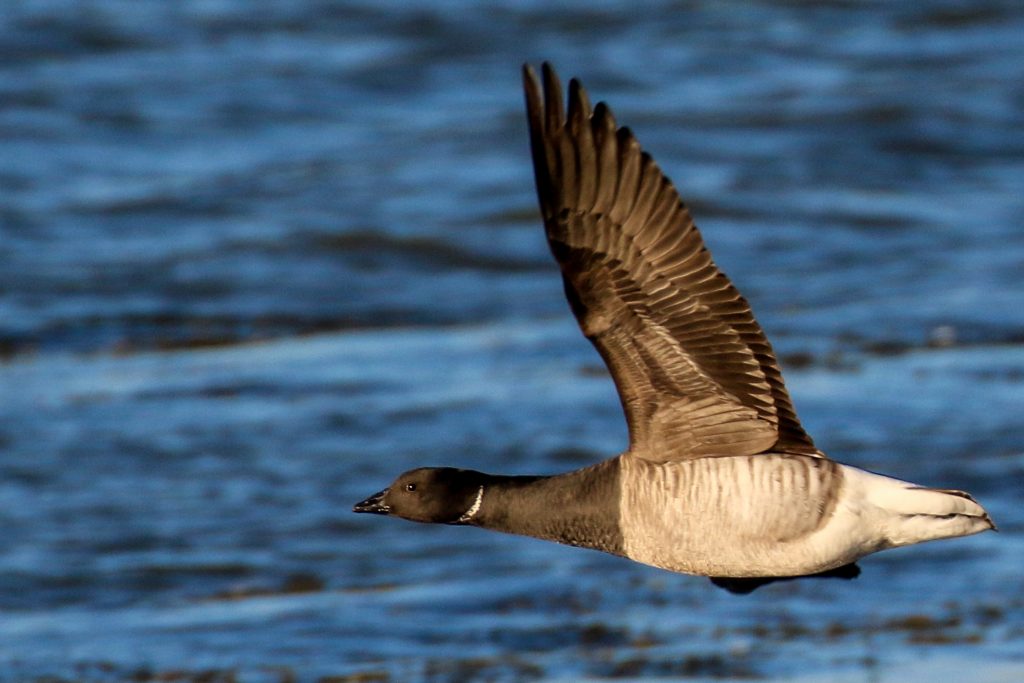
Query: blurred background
x,y
256,258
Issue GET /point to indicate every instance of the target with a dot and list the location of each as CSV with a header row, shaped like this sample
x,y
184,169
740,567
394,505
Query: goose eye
x,y
410,487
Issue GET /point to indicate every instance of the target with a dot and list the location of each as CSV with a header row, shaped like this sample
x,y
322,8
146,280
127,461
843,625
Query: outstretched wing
x,y
694,371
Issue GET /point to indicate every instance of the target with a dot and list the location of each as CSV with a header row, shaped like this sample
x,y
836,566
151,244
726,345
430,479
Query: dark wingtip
x,y
532,88
579,103
548,70
604,121
554,109
529,74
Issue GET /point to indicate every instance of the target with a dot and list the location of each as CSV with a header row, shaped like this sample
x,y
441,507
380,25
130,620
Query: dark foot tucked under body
x,y
745,586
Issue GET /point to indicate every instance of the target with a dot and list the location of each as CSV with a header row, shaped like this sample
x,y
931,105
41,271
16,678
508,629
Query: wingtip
x,y
605,118
531,85
552,88
580,111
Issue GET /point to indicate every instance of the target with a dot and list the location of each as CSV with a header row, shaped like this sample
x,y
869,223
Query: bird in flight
x,y
720,479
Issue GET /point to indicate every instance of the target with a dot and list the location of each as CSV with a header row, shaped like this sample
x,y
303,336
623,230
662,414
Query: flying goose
x,y
720,479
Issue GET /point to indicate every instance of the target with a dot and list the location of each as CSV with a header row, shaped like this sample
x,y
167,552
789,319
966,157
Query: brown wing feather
x,y
694,371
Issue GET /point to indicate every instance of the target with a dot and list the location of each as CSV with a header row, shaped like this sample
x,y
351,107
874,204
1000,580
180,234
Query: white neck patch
x,y
473,509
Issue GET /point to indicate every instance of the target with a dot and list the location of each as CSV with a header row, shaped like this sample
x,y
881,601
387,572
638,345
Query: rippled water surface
x,y
257,258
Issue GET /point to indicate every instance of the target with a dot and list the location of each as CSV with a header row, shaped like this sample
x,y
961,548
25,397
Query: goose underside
x,y
743,586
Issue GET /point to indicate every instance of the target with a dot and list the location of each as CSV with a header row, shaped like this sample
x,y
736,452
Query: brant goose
x,y
720,479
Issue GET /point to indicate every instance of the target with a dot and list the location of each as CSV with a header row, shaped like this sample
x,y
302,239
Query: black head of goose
x,y
719,479
433,495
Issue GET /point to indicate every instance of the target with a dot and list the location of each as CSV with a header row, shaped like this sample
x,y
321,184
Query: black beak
x,y
374,504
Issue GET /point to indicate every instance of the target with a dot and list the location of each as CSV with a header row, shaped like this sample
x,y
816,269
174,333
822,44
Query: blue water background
x,y
257,258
